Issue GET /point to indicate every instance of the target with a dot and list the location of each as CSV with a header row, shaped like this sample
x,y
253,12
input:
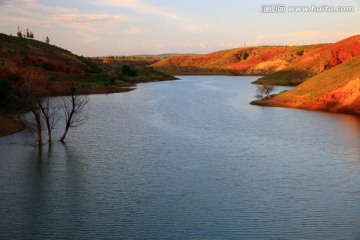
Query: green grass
x,y
34,47
21,44
327,81
284,77
144,73
101,79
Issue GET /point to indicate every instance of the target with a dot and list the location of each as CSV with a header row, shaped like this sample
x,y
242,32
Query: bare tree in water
x,y
35,124
75,109
49,114
34,120
41,114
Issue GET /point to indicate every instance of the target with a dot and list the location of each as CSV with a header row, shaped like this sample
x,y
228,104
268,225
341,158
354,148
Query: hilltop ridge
x,y
335,90
238,61
315,62
326,75
50,68
40,63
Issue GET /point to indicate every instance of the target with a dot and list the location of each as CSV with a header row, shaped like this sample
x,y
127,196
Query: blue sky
x,y
126,27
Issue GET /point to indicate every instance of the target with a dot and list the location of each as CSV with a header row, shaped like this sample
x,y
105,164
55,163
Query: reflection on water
x,y
186,159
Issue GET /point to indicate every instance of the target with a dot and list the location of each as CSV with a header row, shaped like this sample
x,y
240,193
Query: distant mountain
x,y
334,90
160,56
315,62
281,65
155,57
328,74
239,61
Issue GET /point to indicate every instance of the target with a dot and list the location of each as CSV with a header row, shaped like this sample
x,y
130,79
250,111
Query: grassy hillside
x,y
335,90
239,61
315,62
49,67
128,71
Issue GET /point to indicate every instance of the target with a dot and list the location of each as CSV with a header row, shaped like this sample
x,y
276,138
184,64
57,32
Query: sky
x,y
130,27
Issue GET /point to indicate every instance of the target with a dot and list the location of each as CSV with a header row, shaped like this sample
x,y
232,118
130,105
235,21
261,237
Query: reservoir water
x,y
188,159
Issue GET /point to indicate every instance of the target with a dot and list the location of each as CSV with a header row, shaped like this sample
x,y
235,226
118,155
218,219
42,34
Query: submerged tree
x,y
35,124
75,109
41,114
33,119
43,111
49,115
264,91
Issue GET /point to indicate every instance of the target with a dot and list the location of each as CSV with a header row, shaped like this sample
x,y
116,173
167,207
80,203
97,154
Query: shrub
x,y
128,70
47,66
300,53
7,98
264,91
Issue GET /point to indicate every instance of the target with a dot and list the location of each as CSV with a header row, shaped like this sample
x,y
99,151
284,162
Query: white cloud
x,y
87,37
203,45
194,28
135,31
86,17
31,8
89,27
18,20
161,46
188,46
136,5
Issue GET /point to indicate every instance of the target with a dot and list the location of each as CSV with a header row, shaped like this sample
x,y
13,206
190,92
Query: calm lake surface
x,y
187,159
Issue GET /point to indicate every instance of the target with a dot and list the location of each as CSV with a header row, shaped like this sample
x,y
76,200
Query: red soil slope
x,y
329,56
252,60
335,90
37,62
315,62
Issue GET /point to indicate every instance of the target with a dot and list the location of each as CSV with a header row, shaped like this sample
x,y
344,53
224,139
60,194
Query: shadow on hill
x,y
285,78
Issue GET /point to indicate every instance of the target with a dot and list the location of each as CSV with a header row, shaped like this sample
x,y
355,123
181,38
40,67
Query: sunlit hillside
x,y
315,62
335,90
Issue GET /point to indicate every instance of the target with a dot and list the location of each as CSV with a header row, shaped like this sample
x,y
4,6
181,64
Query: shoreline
x,y
9,125
318,107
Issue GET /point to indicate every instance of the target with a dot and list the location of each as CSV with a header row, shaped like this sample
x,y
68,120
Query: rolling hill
x,y
335,90
239,61
315,62
328,74
43,65
49,68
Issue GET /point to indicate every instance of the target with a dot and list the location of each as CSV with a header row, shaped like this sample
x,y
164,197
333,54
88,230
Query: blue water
x,y
188,159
